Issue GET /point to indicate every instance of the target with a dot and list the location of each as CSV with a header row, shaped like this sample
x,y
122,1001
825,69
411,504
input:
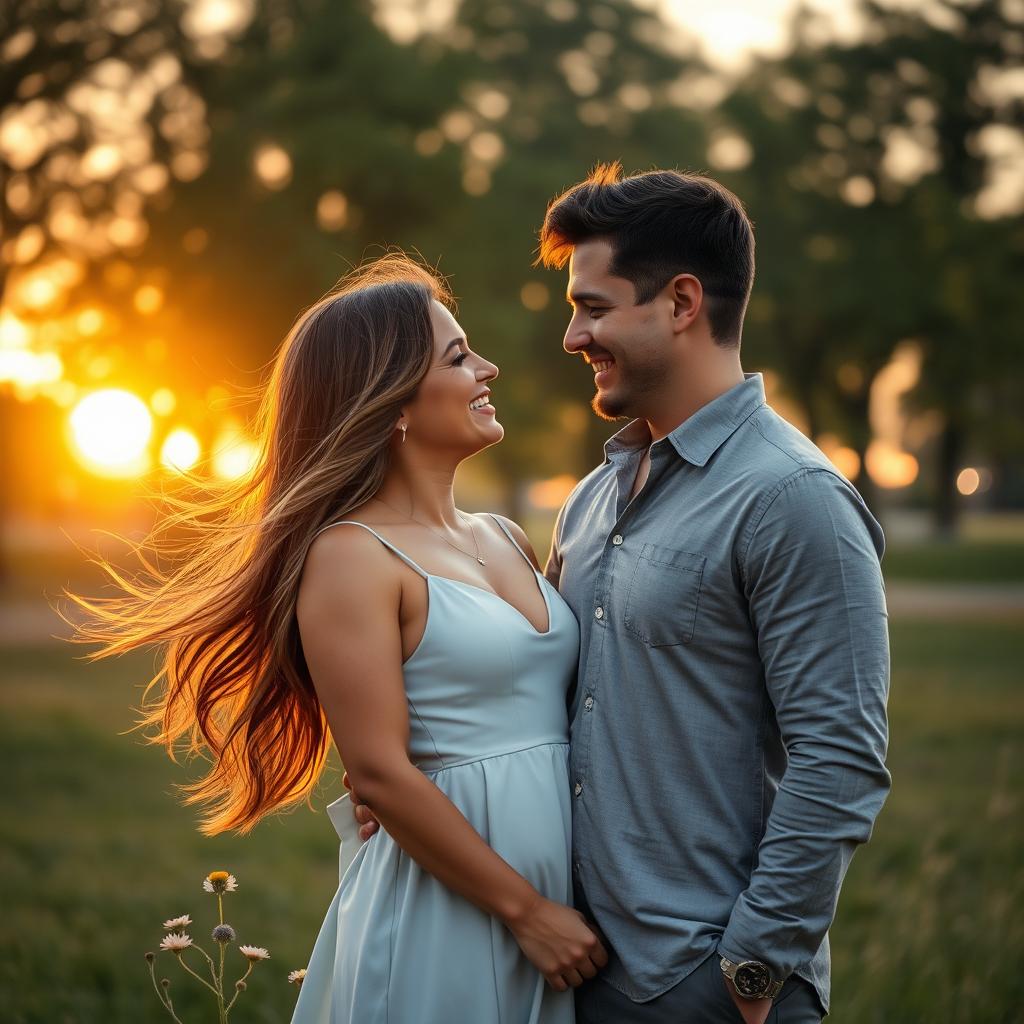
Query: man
x,y
729,724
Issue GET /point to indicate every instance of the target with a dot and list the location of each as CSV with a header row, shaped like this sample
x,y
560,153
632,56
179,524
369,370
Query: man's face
x,y
627,346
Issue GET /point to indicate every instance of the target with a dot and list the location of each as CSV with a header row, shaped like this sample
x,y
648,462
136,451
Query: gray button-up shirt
x,y
729,720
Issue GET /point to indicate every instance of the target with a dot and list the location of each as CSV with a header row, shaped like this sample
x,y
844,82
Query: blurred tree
x,y
555,87
313,141
871,164
450,143
957,81
97,113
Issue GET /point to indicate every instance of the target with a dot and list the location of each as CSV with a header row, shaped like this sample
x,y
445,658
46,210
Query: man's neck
x,y
691,398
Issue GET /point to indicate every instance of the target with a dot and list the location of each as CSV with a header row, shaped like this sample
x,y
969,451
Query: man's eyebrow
x,y
573,298
454,343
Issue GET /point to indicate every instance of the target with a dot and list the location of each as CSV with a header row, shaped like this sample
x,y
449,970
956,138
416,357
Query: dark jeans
x,y
700,998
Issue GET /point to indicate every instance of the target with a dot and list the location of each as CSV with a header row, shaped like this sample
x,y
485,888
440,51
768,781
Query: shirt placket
x,y
602,608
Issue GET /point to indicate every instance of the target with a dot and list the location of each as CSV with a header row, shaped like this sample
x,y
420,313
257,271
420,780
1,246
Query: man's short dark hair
x,y
660,224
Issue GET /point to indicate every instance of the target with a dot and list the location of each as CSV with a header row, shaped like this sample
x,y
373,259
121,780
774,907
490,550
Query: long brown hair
x,y
223,611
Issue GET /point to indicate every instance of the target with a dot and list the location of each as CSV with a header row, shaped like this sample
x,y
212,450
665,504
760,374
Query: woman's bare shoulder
x,y
345,563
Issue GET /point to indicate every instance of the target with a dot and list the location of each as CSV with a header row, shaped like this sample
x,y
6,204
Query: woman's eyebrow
x,y
454,343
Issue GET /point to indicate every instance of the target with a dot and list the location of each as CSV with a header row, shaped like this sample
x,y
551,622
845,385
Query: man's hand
x,y
753,1011
368,824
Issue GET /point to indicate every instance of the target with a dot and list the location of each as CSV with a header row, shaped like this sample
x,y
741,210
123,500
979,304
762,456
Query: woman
x,y
340,585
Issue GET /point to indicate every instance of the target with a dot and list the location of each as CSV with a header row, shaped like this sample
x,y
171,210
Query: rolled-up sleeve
x,y
813,583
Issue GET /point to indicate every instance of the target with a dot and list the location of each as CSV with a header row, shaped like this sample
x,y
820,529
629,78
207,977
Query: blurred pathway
x,y
31,624
961,601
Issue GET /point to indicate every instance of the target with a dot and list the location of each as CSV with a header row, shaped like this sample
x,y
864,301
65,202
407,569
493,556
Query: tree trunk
x,y
859,412
947,499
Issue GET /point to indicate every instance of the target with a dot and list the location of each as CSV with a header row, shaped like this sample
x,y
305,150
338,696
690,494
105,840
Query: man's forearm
x,y
823,810
817,604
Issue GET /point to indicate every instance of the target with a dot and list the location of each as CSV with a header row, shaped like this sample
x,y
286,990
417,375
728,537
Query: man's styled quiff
x,y
660,224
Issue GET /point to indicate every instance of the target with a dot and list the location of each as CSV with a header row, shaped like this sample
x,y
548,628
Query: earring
x,y
404,428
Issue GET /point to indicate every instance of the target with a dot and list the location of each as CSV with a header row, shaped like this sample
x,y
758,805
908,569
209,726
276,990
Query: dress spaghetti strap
x,y
401,554
508,533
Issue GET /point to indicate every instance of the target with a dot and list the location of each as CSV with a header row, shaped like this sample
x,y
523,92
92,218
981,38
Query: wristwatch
x,y
751,978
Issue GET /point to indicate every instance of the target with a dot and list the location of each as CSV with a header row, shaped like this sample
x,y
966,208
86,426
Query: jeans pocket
x,y
708,1000
664,595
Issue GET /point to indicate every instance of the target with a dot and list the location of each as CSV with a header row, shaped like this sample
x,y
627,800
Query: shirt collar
x,y
698,438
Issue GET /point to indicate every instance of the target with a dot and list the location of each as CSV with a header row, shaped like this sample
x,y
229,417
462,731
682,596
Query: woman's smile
x,y
482,404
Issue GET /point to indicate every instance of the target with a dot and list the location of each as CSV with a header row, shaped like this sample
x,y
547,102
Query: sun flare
x,y
110,432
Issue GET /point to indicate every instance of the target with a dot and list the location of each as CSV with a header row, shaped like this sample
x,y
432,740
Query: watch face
x,y
752,979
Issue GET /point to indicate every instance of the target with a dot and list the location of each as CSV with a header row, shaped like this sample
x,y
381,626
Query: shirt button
x,y
588,703
599,613
578,788
617,539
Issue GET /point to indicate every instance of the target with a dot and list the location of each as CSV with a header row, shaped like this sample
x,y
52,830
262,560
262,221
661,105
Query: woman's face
x,y
452,408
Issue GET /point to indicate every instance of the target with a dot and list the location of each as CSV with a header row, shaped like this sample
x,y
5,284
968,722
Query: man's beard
x,y
622,402
609,407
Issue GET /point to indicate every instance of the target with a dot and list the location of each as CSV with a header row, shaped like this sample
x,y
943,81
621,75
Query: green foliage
x,y
964,562
452,144
863,249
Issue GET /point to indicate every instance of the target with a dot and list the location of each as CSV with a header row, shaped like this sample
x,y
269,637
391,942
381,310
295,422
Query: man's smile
x,y
602,364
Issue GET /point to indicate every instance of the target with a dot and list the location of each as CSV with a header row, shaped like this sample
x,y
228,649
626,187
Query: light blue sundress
x,y
488,725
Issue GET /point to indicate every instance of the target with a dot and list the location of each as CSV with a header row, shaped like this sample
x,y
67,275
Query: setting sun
x,y
110,430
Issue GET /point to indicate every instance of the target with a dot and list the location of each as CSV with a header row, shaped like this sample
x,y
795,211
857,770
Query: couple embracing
x,y
624,789
627,788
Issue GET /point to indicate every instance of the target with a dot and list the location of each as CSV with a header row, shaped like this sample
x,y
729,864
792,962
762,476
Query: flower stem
x,y
237,989
202,981
209,961
220,985
164,1000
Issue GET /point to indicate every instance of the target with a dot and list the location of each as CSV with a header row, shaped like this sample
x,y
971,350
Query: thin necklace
x,y
436,534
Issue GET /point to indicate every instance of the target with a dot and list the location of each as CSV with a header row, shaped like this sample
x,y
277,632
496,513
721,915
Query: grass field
x,y
96,853
975,562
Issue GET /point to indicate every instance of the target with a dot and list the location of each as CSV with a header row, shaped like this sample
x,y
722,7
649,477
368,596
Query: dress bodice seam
x,y
490,757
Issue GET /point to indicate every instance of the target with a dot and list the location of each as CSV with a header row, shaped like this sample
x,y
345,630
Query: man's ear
x,y
687,301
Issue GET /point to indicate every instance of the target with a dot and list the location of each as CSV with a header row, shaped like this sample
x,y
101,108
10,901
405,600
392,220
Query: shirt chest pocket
x,y
663,595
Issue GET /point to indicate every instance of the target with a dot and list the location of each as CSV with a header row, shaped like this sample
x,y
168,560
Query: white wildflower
x,y
176,942
177,922
219,881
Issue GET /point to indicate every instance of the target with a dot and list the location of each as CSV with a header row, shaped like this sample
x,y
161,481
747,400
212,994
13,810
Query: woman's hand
x,y
368,824
558,941
555,938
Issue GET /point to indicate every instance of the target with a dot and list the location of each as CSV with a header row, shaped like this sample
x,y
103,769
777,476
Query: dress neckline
x,y
538,577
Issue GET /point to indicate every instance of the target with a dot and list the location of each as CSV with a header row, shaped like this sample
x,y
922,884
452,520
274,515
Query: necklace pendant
x,y
481,561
